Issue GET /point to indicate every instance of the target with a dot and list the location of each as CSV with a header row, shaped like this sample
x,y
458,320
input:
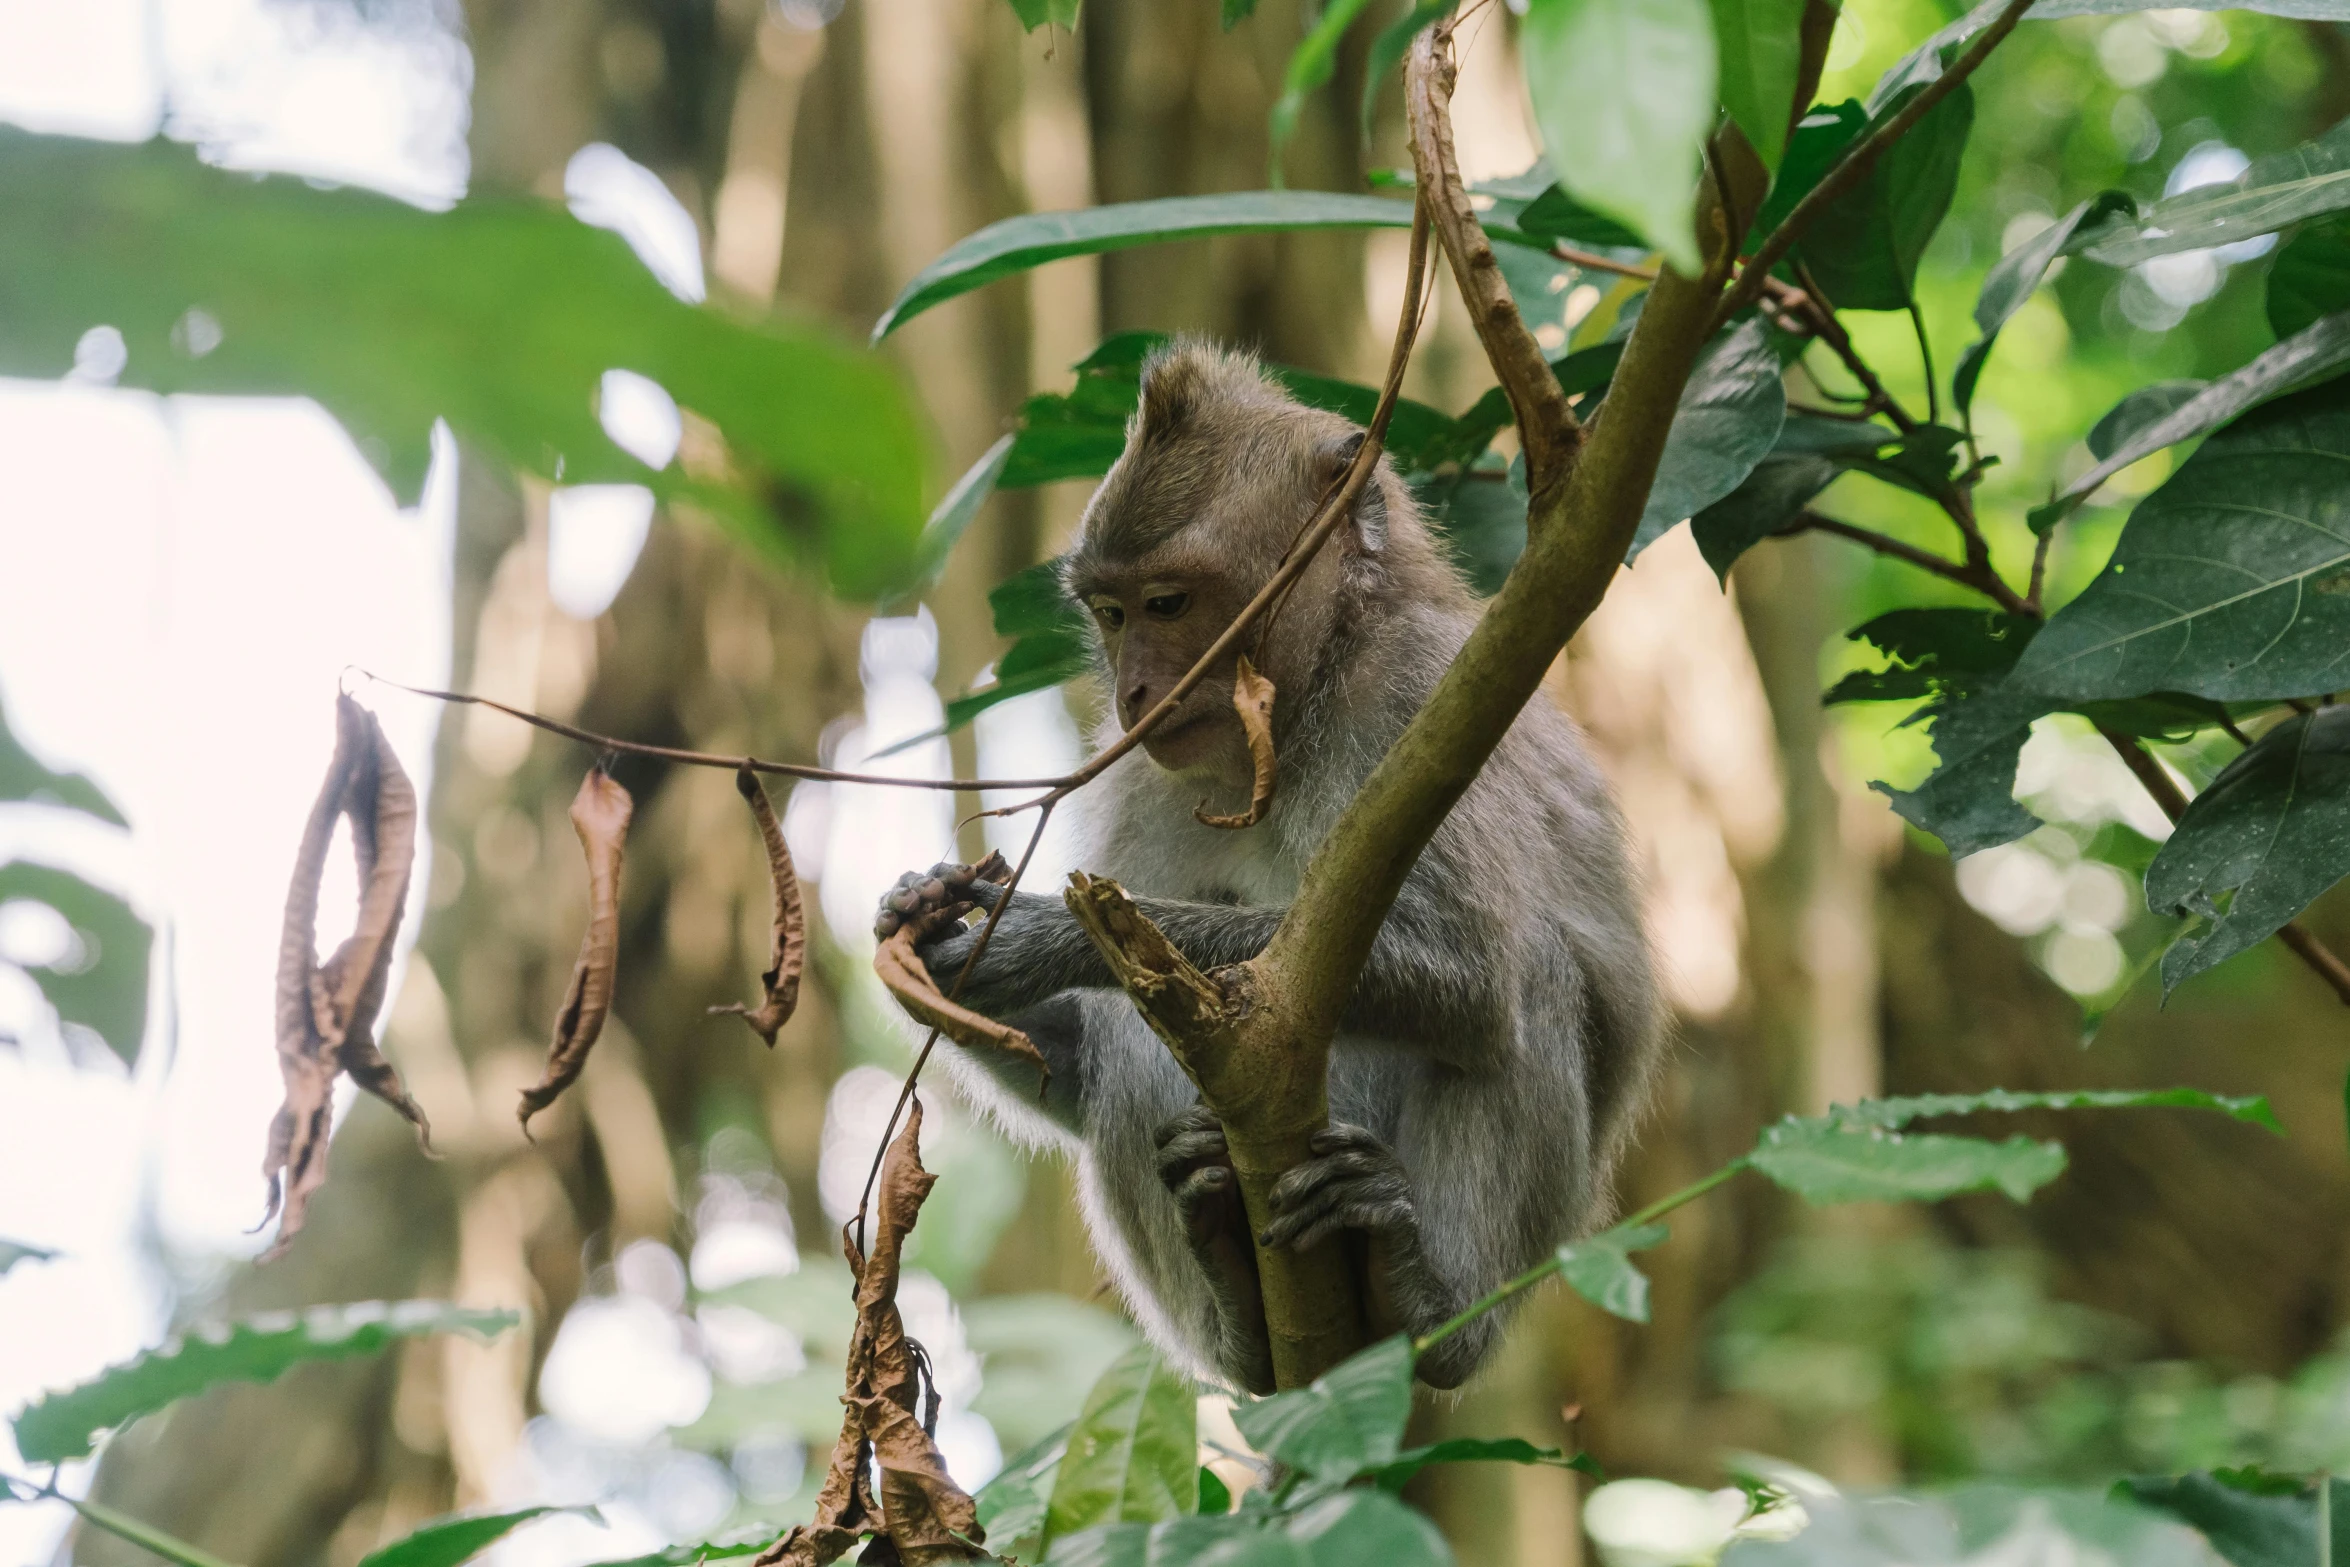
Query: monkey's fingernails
x,y
905,900
885,925
934,891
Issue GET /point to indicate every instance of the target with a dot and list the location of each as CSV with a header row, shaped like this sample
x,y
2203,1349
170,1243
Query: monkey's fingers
x,y
1182,1155
1197,1118
1309,1181
1206,1203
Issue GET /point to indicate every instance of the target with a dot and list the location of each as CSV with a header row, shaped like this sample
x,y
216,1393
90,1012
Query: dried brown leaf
x,y
1252,699
908,978
326,1012
790,949
921,1515
599,814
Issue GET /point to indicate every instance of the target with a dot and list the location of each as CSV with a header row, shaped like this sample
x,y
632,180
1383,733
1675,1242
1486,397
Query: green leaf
x,y
2263,842
2310,277
1237,12
59,1427
1899,1111
1865,246
1624,93
1394,41
1829,1159
1482,520
1968,801
1476,1450
2304,182
740,1542
1017,244
1356,1528
2313,354
1555,215
2231,581
1133,1456
1214,1495
2017,274
500,316
1311,65
1728,420
951,518
1949,640
2249,1524
14,1252
1599,1268
102,985
2139,411
1817,145
1350,1419
24,776
1810,454
1034,14
1761,45
448,1542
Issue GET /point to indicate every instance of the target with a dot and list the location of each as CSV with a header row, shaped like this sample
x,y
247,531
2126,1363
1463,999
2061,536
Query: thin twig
x,y
1858,160
2039,579
1831,332
1966,574
1593,261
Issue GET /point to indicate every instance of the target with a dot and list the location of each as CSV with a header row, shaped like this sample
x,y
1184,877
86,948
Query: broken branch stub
x,y
599,814
326,1012
788,953
917,1508
1252,699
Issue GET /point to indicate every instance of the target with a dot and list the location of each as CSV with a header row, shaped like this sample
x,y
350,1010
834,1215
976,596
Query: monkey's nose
x,y
1137,702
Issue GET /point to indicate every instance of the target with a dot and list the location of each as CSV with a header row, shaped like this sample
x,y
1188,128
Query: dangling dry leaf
x,y
907,977
790,949
599,814
326,1012
1252,699
920,1515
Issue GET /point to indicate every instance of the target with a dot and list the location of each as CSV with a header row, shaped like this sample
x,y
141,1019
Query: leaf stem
x,y
1551,1264
1967,574
145,1536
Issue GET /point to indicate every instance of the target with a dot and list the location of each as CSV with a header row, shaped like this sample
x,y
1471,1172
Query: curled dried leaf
x,y
907,977
599,814
790,949
326,1012
918,1510
1252,699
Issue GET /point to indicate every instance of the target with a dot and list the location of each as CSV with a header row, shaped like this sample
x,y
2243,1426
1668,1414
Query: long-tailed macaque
x,y
1498,1043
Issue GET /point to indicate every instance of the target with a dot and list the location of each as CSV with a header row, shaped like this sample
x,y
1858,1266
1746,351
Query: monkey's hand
x,y
1355,1182
1038,948
1197,1168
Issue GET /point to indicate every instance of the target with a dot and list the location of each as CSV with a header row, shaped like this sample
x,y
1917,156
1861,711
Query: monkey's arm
x,y
1422,982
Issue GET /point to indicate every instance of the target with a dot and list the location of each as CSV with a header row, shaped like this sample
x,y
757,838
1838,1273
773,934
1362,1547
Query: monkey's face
x,y
1156,616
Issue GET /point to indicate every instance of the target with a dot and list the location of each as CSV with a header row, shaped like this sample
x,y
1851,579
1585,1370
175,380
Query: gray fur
x,y
1497,1047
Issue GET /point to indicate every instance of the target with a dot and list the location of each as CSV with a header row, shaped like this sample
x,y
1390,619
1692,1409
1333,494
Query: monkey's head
x,y
1221,471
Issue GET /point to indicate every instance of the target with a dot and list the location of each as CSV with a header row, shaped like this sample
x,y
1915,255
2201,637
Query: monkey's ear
x,y
1171,384
1370,516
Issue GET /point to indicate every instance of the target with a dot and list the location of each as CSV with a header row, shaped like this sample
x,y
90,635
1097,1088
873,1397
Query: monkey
x,y
1497,1047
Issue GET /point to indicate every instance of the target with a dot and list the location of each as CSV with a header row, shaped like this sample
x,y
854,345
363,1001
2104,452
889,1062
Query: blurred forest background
x,y
2174,1301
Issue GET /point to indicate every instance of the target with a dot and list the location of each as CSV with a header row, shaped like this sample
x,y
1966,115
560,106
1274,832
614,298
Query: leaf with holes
x,y
1900,1110
1350,1419
2263,842
1969,801
2307,181
1829,1159
1133,1456
2231,581
61,1426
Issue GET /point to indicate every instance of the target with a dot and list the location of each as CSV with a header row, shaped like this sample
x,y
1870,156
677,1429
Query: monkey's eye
x,y
1110,615
1167,605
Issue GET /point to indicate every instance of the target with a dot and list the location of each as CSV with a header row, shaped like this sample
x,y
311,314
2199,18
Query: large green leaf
x,y
1864,247
1018,244
2258,846
500,316
2013,278
2231,581
1013,1505
1831,1159
24,776
102,984
60,1426
2313,354
1728,419
1599,1268
449,1542
1356,1528
952,518
2310,277
1899,1111
1624,93
1311,65
1476,1450
1133,1456
1350,1419
14,1252
1968,801
2285,187
2140,410
1810,453
1761,46
2247,1518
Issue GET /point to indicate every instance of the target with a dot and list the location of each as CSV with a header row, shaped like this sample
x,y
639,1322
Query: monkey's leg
x,y
1197,1168
1355,1182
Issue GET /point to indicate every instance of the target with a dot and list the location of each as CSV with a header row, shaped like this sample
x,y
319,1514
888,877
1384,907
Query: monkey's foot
x,y
1353,1182
924,892
1196,1167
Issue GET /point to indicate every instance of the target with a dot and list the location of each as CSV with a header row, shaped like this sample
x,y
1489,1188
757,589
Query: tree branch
x,y
1861,157
1967,574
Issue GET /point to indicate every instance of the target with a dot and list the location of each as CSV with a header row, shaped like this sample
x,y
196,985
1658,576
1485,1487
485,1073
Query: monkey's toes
x,y
1354,1181
1188,1143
